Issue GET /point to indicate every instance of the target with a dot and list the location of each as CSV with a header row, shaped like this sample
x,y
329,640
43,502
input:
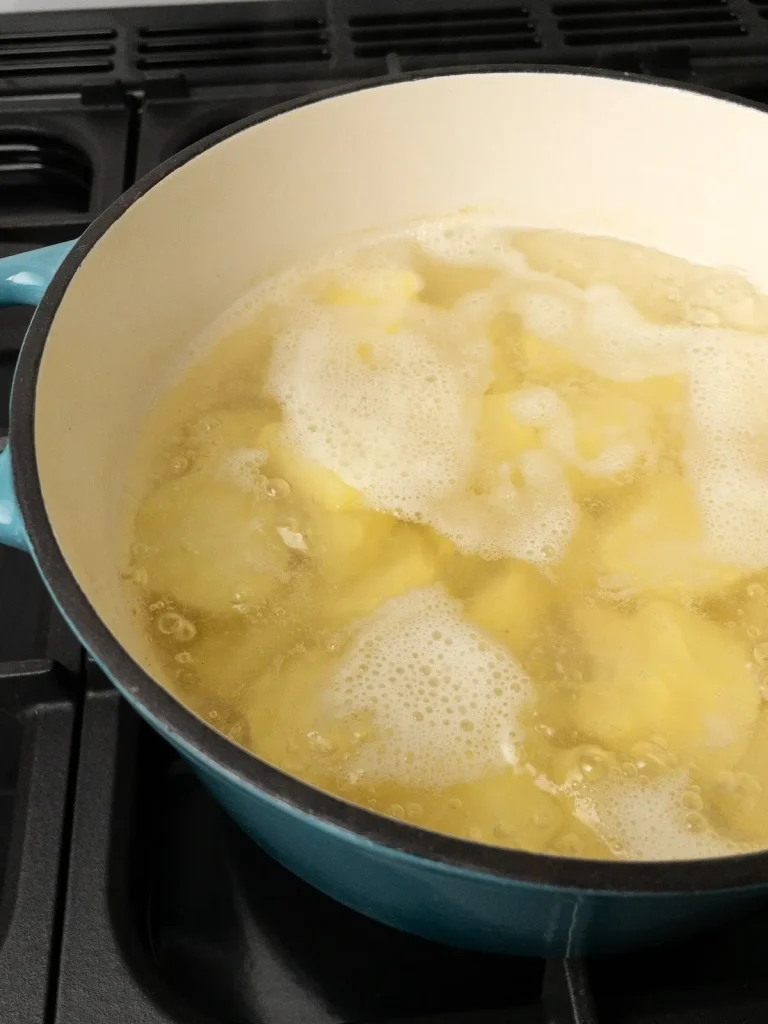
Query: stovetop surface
x,y
126,896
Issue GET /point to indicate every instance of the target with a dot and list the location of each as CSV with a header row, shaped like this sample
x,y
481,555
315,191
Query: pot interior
x,y
665,167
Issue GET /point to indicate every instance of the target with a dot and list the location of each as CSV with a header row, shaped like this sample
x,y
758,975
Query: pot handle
x,y
23,280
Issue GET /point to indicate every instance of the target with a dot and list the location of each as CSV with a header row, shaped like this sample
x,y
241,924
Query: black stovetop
x,y
126,896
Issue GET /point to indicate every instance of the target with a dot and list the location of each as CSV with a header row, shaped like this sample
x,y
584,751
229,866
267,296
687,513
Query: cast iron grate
x,y
34,165
428,32
82,52
606,22
282,41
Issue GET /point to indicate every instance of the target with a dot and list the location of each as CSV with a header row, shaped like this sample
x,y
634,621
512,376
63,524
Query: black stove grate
x,y
125,893
279,40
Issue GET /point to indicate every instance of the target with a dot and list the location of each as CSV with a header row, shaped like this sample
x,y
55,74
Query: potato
x,y
283,709
229,429
657,546
502,436
739,796
544,360
664,672
311,481
503,331
506,808
388,286
208,543
511,604
348,543
407,561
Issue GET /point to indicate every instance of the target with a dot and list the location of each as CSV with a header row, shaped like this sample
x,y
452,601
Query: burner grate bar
x,y
567,993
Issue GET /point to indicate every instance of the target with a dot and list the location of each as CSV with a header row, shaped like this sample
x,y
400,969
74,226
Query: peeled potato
x,y
229,429
408,561
738,796
506,807
511,604
657,545
503,437
348,543
311,481
207,542
664,672
544,359
387,286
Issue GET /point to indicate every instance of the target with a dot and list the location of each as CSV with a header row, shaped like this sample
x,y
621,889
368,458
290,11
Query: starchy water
x,y
469,525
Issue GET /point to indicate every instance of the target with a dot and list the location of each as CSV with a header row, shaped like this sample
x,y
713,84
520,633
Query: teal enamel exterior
x,y
423,894
24,278
12,532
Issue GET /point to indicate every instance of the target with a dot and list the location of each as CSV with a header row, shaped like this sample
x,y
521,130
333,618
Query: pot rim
x,y
638,877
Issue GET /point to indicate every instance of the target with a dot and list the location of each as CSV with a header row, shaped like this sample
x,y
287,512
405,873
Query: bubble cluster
x,y
533,521
511,408
445,698
652,818
727,445
397,425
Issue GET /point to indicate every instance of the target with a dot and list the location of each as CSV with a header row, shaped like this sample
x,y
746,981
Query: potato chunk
x,y
664,672
311,481
388,286
348,543
511,604
208,543
502,436
408,561
657,545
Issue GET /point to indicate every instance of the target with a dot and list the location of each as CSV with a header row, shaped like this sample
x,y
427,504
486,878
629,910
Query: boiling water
x,y
469,526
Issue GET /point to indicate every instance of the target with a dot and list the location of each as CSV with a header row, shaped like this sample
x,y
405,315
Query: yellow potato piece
x,y
387,286
503,332
506,808
408,561
209,544
348,543
311,481
657,545
608,418
503,437
228,429
511,604
544,360
284,708
740,796
614,436
664,672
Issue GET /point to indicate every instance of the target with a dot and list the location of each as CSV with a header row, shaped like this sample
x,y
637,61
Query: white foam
x,y
648,819
397,426
446,698
498,519
727,445
544,408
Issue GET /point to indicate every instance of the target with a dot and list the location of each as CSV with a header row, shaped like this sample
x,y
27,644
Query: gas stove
x,y
125,894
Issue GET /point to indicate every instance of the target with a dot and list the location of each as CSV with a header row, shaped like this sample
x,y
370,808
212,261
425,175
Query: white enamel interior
x,y
668,168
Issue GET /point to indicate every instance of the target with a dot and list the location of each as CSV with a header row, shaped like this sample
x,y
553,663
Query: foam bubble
x,y
534,521
602,330
398,424
446,698
727,444
649,819
471,241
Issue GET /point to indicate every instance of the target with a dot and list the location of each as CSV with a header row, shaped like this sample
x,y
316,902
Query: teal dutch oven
x,y
675,168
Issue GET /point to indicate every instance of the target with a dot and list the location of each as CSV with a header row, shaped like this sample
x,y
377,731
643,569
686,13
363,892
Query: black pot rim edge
x,y
605,877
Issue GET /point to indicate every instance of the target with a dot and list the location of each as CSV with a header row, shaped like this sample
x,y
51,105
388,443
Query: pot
x,y
670,167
